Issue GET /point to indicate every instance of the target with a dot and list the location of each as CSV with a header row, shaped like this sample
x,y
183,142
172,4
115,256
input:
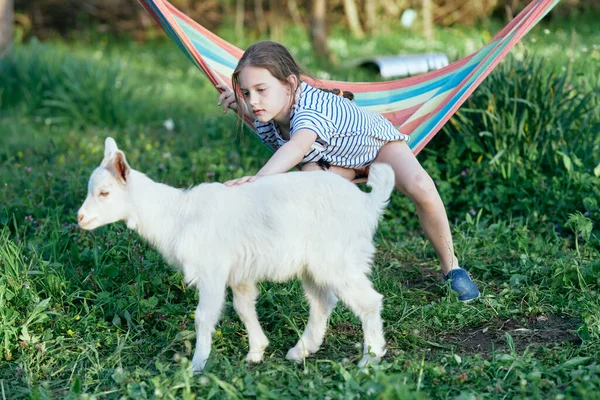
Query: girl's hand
x,y
241,181
227,97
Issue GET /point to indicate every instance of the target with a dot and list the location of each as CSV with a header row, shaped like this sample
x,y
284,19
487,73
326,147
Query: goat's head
x,y
107,198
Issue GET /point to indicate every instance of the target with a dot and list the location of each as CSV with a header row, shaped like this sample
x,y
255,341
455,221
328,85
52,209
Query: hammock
x,y
417,106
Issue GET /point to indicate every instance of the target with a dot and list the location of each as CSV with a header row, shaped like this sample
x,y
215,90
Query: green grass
x,y
100,315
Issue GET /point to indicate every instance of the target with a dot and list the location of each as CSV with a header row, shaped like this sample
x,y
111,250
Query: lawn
x,y
100,314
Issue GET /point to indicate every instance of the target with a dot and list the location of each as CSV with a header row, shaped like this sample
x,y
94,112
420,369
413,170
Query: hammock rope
x,y
418,106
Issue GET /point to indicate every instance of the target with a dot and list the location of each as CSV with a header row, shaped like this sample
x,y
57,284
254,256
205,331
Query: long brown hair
x,y
275,58
272,56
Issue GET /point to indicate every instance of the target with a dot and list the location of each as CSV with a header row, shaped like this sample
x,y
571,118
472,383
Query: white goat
x,y
315,226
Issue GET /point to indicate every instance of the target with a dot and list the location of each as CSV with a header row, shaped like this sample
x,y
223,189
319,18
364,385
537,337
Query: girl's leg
x,y
415,182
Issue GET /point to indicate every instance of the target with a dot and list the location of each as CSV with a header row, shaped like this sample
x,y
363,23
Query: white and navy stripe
x,y
347,135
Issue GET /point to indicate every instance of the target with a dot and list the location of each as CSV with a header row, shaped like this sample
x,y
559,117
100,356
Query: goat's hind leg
x,y
358,293
321,301
244,303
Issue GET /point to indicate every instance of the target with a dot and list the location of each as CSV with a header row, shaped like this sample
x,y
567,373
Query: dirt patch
x,y
533,331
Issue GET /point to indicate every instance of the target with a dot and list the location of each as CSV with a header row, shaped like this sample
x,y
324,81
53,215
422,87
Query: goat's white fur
x,y
315,226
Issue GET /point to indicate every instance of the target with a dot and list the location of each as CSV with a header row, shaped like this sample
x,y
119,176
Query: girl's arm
x,y
284,159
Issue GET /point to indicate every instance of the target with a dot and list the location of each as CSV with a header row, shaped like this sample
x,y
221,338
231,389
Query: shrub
x,y
525,144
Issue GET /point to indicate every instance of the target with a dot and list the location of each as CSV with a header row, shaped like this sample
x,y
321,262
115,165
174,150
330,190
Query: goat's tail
x,y
381,181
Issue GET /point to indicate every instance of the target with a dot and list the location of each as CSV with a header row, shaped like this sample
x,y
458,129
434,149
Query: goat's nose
x,y
79,217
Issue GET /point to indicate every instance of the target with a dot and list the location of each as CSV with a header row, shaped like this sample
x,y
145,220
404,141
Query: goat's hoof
x,y
255,357
198,367
371,358
198,364
297,354
368,360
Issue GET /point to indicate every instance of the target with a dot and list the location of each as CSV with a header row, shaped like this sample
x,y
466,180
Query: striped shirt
x,y
347,135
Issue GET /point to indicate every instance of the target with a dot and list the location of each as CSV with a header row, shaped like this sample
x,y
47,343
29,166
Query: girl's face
x,y
267,97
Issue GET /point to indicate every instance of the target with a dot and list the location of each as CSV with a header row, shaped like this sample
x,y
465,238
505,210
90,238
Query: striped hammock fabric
x,y
417,106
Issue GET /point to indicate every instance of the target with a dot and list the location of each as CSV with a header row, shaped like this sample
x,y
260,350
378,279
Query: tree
x,y
353,19
371,7
6,25
427,20
318,35
240,12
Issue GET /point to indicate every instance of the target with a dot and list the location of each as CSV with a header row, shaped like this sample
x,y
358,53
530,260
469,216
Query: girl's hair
x,y
339,92
275,58
272,56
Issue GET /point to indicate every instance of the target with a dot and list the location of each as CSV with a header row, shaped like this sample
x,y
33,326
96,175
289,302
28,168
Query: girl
x,y
317,129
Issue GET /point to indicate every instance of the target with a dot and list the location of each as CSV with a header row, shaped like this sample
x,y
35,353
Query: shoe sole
x,y
470,300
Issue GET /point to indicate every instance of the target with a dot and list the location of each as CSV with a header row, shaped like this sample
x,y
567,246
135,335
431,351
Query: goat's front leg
x,y
212,297
244,303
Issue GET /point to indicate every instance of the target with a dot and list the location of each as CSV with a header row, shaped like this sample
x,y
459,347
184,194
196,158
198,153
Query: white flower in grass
x,y
169,124
204,381
547,31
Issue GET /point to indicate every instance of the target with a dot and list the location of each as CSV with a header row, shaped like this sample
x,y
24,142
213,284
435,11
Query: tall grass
x,y
59,89
528,134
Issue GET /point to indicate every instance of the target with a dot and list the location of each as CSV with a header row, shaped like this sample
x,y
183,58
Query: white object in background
x,y
408,18
169,124
406,65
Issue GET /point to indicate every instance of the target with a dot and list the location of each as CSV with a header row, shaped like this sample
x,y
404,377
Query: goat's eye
x,y
103,194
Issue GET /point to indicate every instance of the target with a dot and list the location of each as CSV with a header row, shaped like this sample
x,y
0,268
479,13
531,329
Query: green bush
x,y
524,145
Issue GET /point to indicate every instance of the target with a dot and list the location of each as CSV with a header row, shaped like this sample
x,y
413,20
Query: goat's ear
x,y
110,149
119,167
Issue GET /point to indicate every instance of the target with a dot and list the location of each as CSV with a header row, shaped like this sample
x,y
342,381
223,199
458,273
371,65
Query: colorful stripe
x,y
417,106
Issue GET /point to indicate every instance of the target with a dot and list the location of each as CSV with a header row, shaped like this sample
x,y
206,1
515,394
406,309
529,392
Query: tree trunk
x,y
6,25
318,36
391,8
371,15
353,19
240,13
259,14
294,12
427,20
276,26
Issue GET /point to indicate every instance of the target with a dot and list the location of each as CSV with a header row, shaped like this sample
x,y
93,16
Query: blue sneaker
x,y
461,283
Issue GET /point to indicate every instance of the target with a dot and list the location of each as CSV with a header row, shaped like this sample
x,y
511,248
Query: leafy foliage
x,y
529,134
